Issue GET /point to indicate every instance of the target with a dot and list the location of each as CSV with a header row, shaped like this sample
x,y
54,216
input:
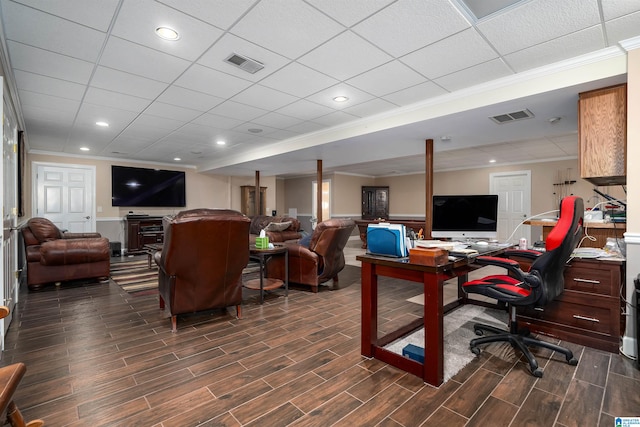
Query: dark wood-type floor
x,y
98,356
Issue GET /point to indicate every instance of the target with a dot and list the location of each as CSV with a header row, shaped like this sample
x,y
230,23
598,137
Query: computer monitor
x,y
465,217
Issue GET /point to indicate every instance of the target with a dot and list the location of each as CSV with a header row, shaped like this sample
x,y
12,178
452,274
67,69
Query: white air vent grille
x,y
247,64
512,117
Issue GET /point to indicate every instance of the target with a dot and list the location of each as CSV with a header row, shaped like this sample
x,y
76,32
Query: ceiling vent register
x,y
512,117
247,64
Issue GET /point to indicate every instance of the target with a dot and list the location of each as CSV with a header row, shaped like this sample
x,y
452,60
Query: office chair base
x,y
519,341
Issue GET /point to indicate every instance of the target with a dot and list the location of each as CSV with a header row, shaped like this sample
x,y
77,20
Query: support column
x,y
428,173
319,192
257,199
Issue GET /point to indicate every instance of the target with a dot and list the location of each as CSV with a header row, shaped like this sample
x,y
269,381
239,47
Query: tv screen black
x,y
472,216
147,187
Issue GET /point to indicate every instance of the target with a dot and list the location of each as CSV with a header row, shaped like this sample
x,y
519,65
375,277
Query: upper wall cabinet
x,y
602,134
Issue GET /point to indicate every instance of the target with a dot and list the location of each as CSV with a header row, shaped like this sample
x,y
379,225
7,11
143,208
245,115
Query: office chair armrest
x,y
522,253
510,265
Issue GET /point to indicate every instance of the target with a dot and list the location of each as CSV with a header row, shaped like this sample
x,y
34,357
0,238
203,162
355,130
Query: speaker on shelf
x,y
115,248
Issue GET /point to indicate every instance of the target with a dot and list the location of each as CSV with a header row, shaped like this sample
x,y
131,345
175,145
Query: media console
x,y
140,230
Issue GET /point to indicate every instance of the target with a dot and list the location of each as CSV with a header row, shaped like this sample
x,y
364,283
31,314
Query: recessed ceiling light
x,y
167,33
177,159
445,138
492,161
340,99
219,142
102,124
84,148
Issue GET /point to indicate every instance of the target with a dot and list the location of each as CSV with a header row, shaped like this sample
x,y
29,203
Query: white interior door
x,y
9,248
514,204
65,195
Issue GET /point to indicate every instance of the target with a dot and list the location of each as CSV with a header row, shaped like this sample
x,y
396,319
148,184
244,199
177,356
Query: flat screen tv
x,y
147,187
465,217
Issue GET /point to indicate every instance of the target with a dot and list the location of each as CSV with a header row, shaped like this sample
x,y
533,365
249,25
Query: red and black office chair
x,y
537,287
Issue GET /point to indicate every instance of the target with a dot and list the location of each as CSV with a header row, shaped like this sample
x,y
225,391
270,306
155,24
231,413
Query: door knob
x,y
87,217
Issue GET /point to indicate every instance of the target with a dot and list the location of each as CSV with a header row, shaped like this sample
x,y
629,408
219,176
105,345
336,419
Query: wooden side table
x,y
264,283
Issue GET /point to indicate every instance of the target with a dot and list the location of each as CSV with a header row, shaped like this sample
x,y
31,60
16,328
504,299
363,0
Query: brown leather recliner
x,y
201,262
321,261
54,256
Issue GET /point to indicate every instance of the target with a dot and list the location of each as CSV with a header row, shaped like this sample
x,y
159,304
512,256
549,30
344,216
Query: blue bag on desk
x,y
386,239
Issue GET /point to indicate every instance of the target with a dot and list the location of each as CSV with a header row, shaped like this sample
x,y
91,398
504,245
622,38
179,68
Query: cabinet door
x,y
375,202
602,128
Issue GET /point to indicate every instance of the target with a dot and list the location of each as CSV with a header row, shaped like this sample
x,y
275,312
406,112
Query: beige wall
x,y
208,191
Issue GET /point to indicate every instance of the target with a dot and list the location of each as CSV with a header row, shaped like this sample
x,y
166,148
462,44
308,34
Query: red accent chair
x,y
543,282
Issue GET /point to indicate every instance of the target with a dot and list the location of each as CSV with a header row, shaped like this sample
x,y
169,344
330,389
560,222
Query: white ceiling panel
x,y
138,20
345,56
39,61
55,35
291,28
411,70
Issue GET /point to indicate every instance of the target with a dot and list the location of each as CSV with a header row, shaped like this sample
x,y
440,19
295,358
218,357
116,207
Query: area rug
x,y
458,331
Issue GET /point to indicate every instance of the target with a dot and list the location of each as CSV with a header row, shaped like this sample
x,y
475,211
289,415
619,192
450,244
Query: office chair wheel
x,y
537,372
476,350
573,361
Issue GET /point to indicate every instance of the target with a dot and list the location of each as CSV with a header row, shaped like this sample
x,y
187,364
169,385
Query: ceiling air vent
x,y
512,117
247,64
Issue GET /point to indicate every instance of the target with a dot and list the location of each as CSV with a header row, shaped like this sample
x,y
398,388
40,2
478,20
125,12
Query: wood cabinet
x,y
602,135
588,311
375,202
248,200
142,230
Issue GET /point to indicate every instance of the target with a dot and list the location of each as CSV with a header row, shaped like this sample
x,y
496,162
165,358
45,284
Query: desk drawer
x,y
593,278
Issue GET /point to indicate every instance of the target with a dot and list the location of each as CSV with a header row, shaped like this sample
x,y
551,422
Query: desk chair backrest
x,y
560,243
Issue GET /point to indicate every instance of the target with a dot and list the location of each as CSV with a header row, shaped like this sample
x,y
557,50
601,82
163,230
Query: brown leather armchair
x,y
321,261
201,262
54,256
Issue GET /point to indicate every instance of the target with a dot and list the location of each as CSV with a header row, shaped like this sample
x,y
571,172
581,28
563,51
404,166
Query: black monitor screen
x,y
469,216
147,187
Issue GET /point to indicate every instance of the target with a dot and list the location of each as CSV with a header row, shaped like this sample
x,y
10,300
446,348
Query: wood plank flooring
x,y
96,356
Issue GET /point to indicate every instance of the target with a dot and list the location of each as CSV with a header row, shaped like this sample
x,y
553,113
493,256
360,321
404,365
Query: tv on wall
x,y
140,187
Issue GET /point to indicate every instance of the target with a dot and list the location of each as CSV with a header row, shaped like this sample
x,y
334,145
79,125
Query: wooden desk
x,y
599,230
432,278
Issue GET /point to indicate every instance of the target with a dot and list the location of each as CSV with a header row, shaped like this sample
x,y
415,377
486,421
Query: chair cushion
x,y
44,230
277,226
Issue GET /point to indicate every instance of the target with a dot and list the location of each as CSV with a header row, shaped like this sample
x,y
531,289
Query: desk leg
x,y
286,274
369,295
433,369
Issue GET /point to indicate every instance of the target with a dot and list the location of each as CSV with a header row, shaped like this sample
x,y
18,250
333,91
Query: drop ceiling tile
x,y
111,99
210,81
413,94
622,28
305,110
120,81
54,34
263,97
138,20
370,108
482,73
569,46
345,56
221,13
349,13
48,85
217,122
132,58
188,98
306,127
56,119
39,100
169,111
154,124
616,9
38,61
536,22
276,120
335,118
416,23
298,80
237,110
377,81
436,59
228,44
291,28
325,97
118,119
92,13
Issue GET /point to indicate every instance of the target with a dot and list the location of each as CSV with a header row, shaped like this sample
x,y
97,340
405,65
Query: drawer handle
x,y
590,319
538,308
595,282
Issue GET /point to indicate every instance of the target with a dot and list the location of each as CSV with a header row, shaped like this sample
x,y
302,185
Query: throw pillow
x,y
277,226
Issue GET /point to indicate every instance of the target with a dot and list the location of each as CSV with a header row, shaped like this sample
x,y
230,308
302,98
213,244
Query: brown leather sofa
x,y
275,232
54,256
201,262
321,261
